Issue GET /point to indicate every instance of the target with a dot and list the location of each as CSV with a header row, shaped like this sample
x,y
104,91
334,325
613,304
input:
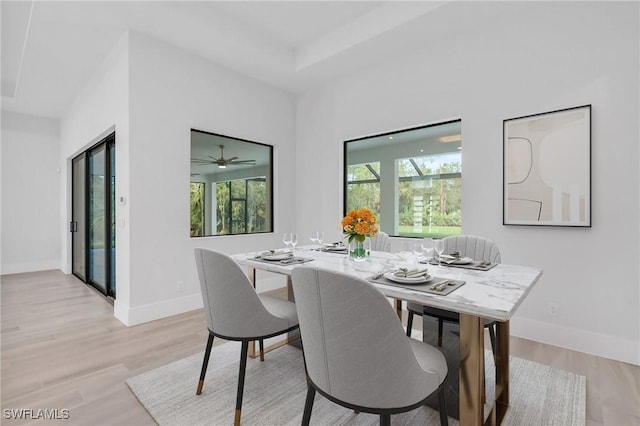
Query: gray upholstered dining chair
x,y
478,248
358,360
235,311
381,242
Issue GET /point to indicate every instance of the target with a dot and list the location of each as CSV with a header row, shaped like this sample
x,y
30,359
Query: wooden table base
x,y
472,372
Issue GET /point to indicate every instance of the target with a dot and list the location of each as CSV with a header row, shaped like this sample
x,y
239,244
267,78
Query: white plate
x,y
277,256
403,280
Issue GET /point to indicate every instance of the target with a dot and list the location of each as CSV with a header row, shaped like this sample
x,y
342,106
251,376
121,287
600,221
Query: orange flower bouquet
x,y
359,224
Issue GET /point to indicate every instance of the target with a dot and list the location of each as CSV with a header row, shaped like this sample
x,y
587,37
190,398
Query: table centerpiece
x,y
358,225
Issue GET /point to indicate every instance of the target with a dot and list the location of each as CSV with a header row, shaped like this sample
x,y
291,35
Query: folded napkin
x,y
334,247
275,252
410,272
449,257
337,244
456,260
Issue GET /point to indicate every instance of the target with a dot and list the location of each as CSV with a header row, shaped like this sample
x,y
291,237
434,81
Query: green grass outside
x,y
433,232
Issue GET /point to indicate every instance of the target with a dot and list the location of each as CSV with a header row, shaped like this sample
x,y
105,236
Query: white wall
x,y
30,193
172,92
525,59
101,108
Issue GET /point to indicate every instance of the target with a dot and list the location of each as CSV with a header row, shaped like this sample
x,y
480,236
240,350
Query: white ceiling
x,y
50,49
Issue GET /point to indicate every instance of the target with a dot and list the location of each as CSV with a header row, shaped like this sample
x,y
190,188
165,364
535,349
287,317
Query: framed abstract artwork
x,y
547,168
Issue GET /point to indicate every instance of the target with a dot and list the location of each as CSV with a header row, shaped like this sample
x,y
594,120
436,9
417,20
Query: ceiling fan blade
x,y
225,161
199,160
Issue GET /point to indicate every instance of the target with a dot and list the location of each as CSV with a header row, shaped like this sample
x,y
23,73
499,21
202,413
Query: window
x,y
240,206
236,176
411,179
197,209
430,195
363,186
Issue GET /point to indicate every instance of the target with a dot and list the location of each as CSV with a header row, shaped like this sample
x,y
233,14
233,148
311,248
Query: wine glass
x,y
294,242
320,239
427,248
314,238
406,252
417,250
286,239
438,245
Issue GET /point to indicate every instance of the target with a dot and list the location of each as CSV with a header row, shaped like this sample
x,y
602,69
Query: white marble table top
x,y
494,294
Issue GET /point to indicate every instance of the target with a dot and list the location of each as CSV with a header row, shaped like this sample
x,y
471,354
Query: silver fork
x,y
441,285
376,276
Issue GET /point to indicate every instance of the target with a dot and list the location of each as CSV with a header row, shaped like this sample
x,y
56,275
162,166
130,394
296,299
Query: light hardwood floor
x,y
62,348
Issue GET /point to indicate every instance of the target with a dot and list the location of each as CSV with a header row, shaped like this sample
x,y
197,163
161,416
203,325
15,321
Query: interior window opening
x,y
411,179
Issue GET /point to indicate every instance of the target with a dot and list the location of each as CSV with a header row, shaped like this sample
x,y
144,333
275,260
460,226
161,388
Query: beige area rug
x,y
275,392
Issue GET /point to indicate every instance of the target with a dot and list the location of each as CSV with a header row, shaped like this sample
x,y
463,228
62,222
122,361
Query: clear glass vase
x,y
357,251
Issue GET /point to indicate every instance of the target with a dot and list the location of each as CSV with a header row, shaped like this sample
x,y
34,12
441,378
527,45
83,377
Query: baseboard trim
x,y
130,316
597,344
20,268
153,311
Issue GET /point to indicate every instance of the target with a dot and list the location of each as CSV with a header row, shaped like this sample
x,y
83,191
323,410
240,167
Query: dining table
x,y
493,293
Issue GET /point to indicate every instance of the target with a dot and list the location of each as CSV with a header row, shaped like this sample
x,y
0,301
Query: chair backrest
x,y
231,304
354,345
478,248
381,242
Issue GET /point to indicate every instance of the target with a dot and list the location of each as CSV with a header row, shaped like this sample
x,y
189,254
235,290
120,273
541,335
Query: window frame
x,y
269,180
420,176
246,200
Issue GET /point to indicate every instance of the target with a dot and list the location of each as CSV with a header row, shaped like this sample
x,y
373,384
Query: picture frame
x,y
547,168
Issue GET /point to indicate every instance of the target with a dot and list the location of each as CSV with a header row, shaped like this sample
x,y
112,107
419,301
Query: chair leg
x,y
308,405
205,363
243,370
442,408
385,419
261,350
440,322
409,323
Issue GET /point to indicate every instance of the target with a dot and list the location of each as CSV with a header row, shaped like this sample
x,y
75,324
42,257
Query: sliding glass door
x,y
78,217
97,218
93,223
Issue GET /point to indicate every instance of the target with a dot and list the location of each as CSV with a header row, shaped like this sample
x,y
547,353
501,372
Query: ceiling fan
x,y
223,162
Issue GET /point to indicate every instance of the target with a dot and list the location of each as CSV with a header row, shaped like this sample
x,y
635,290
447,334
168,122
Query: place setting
x,y
339,247
457,260
285,256
281,256
416,278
